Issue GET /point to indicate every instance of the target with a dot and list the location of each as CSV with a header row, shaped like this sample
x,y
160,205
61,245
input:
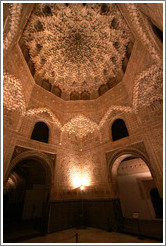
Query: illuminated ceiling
x,y
147,85
77,48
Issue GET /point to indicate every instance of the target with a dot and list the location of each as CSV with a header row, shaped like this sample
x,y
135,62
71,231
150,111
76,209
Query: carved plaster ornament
x,y
13,97
36,111
142,30
77,47
118,108
80,126
14,19
148,87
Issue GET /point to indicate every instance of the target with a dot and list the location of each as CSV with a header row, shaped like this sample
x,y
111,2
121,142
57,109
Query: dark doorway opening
x,y
25,198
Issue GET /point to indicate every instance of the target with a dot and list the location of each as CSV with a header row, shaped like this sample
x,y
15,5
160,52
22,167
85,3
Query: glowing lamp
x,y
81,187
78,179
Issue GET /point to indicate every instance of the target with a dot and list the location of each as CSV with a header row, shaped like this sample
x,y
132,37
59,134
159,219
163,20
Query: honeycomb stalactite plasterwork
x,y
75,47
143,31
14,17
114,108
147,89
80,126
13,97
38,111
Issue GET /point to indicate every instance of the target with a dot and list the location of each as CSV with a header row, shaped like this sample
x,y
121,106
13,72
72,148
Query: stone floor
x,y
88,235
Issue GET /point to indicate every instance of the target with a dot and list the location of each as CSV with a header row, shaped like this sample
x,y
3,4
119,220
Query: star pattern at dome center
x,y
77,47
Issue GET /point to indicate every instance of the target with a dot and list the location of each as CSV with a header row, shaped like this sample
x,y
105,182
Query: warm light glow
x,y
76,180
79,179
81,187
85,179
10,181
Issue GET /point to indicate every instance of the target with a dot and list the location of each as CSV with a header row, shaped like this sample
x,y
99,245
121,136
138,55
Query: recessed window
x,y
40,132
119,130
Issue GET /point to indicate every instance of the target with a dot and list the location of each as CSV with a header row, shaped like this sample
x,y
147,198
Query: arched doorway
x,y
133,181
25,196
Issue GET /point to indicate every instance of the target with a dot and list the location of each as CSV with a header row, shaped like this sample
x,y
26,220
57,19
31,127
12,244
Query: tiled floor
x,y
88,235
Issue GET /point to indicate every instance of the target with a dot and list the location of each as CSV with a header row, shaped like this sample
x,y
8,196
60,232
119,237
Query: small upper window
x,y
40,132
119,130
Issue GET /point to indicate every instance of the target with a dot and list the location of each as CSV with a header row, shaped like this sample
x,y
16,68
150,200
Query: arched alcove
x,y
26,193
132,181
27,182
119,129
40,132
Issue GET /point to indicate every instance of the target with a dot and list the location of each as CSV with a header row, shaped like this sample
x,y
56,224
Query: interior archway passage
x,y
25,196
136,184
